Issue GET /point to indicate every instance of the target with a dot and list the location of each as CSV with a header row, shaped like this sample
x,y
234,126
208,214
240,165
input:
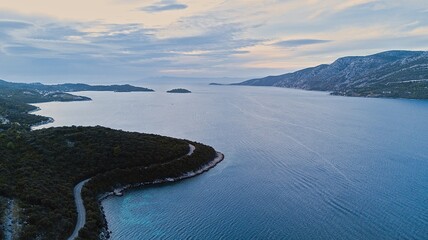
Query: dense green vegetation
x,y
14,114
39,169
179,90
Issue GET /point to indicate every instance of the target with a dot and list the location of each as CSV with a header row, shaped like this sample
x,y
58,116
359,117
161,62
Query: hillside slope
x,y
395,74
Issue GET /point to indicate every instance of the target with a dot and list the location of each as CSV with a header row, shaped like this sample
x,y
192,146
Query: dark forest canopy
x,y
40,168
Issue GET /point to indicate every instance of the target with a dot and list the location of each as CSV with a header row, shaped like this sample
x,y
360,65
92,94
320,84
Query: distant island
x,y
39,169
178,90
37,92
71,87
14,99
391,74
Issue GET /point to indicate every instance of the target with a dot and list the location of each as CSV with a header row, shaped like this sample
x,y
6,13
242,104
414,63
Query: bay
x,y
298,164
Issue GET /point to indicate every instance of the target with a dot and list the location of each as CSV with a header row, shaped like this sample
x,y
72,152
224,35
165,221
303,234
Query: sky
x,y
99,41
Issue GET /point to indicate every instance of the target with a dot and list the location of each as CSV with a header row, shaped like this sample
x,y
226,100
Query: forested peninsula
x,y
39,169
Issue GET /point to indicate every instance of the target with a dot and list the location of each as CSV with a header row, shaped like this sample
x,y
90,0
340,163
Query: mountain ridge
x,y
394,74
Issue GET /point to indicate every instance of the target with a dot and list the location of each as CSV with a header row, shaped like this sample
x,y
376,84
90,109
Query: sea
x,y
298,164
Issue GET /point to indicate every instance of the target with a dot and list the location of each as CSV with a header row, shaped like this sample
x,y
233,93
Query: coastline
x,y
50,119
329,92
34,110
204,168
105,233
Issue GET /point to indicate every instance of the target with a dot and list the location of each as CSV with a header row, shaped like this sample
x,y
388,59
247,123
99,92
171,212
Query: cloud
x,y
12,25
24,50
164,5
240,38
300,42
131,48
55,31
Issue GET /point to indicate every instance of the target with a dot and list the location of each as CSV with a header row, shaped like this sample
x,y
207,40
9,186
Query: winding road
x,y
8,221
81,212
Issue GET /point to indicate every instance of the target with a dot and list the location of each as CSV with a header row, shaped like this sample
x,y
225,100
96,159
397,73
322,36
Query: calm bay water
x,y
299,165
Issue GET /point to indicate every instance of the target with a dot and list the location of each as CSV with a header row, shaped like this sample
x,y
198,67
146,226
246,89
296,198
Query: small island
x,y
178,90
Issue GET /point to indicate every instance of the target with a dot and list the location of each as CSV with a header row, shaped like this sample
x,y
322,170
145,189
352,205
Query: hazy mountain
x,y
387,74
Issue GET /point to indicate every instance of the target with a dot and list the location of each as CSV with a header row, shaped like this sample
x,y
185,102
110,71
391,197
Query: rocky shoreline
x,y
105,234
50,120
219,157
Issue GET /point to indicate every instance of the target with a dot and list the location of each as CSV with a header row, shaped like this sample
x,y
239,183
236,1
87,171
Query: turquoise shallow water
x,y
299,165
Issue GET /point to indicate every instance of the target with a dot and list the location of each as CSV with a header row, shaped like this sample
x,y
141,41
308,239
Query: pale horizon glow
x,y
127,40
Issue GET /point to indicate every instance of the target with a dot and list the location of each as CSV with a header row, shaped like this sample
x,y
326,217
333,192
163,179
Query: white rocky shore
x,y
119,191
50,120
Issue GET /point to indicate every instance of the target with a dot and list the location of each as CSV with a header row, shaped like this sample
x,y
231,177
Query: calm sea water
x,y
299,165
